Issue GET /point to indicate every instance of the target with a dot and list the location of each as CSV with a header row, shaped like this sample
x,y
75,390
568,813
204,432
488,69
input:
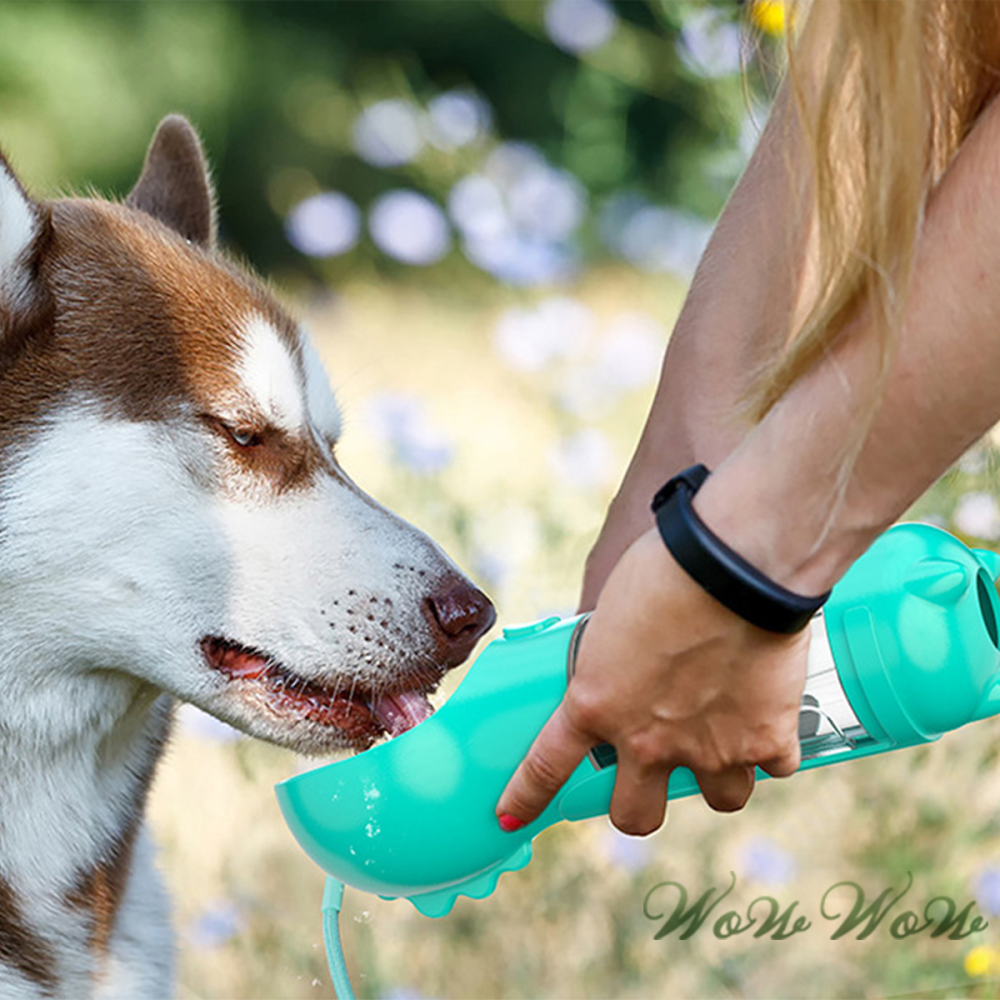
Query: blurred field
x,y
451,426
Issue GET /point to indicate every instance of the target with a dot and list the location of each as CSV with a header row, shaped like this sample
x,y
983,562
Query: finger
x,y
639,801
728,790
786,764
553,757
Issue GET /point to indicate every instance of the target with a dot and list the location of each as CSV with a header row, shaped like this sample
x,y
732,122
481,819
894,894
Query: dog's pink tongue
x,y
402,711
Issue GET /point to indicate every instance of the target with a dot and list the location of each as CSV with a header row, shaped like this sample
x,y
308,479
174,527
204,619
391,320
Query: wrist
x,y
652,593
733,580
797,531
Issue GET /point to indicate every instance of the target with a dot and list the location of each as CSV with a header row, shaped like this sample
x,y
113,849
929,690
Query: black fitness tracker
x,y
723,573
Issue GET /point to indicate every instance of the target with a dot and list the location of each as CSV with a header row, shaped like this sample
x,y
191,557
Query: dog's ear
x,y
175,186
24,231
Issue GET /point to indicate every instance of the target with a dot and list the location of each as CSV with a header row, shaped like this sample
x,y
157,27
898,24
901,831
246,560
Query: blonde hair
x,y
886,91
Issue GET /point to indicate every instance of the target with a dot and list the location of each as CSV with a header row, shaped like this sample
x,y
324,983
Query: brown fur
x,y
20,947
173,339
100,893
174,186
100,890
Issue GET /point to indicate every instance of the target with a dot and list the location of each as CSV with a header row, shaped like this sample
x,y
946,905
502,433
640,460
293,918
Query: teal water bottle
x,y
905,650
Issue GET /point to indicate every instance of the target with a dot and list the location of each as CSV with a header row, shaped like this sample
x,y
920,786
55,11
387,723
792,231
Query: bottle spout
x,y
991,560
989,704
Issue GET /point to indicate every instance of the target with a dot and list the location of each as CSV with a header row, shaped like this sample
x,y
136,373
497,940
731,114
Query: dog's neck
x,y
77,760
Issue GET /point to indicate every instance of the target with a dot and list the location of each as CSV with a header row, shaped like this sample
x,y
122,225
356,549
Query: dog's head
x,y
171,505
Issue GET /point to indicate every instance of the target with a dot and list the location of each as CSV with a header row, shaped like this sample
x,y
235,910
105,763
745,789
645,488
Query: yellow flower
x,y
769,16
980,961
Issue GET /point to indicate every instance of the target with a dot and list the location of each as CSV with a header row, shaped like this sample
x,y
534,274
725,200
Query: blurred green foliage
x,y
276,87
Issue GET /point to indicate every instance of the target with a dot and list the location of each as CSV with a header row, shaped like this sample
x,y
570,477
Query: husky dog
x,y
174,524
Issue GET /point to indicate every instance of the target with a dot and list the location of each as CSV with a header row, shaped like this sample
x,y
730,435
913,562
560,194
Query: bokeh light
x,y
410,227
710,43
986,889
632,854
981,960
771,16
631,350
476,206
652,237
388,134
531,339
543,201
505,540
978,515
401,422
518,216
325,225
457,118
762,860
218,923
579,25
522,260
585,459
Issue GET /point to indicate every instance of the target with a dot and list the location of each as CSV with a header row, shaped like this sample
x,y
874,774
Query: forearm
x,y
942,393
738,311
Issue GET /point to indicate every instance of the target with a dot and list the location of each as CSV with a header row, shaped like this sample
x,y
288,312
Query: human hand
x,y
669,677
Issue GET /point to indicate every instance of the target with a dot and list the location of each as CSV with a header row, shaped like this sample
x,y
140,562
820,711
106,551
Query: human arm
x,y
736,315
709,686
941,394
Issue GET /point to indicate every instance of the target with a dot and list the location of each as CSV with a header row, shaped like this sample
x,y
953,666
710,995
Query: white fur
x,y
320,400
269,375
108,583
18,227
328,557
121,582
122,546
155,563
141,956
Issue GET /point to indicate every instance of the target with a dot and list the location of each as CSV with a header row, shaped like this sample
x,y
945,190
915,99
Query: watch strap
x,y
720,571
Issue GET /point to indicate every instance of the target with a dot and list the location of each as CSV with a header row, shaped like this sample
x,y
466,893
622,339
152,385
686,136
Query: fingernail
x,y
509,823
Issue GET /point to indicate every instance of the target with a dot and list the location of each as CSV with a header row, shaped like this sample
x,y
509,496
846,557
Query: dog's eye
x,y
244,437
240,435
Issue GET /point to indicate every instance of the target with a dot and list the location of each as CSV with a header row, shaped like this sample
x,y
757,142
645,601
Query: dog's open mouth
x,y
362,715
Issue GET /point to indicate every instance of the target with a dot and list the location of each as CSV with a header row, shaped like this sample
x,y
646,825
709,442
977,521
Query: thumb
x,y
553,757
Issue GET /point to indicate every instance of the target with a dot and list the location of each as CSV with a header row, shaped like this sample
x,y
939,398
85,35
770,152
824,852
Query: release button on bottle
x,y
514,632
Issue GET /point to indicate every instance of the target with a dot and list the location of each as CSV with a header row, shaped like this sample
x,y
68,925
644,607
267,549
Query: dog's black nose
x,y
458,614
